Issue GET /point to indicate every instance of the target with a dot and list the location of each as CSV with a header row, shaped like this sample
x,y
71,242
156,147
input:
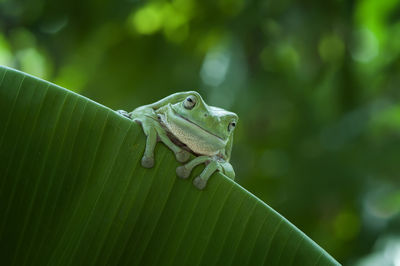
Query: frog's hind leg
x,y
200,182
180,154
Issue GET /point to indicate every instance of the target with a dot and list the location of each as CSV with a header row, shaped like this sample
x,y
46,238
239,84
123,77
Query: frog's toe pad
x,y
182,172
147,162
182,156
199,183
123,113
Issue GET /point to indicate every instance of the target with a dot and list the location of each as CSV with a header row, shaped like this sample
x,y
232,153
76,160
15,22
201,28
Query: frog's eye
x,y
231,125
189,102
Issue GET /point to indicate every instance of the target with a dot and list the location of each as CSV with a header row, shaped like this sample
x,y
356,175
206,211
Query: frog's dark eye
x,y
189,102
231,125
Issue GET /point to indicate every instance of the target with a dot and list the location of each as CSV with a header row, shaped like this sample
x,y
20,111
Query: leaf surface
x,y
73,192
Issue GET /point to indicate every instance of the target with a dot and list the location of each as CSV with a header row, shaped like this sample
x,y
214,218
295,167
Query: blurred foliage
x,y
315,84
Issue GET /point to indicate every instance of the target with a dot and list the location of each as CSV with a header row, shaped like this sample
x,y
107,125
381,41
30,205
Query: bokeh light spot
x,y
215,67
22,38
365,46
386,251
184,6
72,77
148,20
5,53
331,48
385,118
288,57
346,225
175,24
33,62
282,57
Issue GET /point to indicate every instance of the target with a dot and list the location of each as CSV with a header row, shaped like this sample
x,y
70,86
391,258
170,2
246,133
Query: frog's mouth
x,y
196,125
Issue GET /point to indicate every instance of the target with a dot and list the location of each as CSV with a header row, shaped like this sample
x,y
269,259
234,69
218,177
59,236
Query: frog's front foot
x,y
183,172
124,113
147,162
182,156
199,183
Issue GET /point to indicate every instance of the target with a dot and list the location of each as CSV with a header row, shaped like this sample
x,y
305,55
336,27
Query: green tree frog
x,y
186,124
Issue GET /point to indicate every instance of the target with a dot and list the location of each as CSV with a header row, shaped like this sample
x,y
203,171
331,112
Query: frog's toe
x,y
123,113
182,172
199,183
147,162
182,156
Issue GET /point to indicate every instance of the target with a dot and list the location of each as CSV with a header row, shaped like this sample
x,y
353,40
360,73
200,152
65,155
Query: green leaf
x,y
73,192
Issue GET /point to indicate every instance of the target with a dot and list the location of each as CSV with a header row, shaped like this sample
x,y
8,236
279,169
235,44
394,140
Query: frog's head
x,y
194,121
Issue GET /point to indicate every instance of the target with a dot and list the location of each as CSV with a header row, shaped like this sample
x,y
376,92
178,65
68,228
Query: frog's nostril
x,y
205,114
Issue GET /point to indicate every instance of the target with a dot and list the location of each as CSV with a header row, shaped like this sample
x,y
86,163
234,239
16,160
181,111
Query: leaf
x,y
73,192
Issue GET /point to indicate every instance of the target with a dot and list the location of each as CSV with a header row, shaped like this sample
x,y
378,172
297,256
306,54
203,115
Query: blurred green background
x,y
315,84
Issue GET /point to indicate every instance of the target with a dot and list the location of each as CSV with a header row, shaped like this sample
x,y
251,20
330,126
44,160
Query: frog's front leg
x,y
185,170
180,154
212,165
151,141
154,132
201,181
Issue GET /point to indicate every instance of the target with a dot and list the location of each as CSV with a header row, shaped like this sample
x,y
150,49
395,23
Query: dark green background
x,y
315,84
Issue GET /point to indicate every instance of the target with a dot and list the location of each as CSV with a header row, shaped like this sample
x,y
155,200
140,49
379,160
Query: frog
x,y
188,126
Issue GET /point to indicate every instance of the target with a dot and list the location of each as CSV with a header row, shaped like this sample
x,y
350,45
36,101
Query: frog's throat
x,y
196,125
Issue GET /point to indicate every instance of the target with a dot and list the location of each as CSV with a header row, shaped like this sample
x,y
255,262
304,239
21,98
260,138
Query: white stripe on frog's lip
x,y
184,118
